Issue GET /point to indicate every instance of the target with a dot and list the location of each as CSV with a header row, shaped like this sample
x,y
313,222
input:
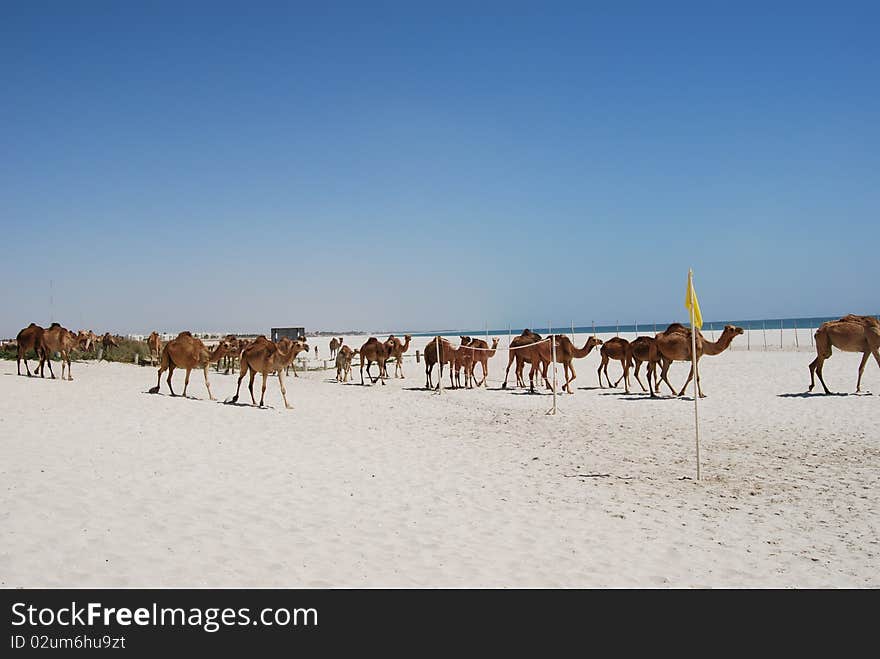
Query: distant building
x,y
292,333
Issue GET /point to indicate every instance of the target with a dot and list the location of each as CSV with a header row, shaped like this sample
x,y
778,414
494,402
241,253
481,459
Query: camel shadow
x,y
648,397
229,402
809,394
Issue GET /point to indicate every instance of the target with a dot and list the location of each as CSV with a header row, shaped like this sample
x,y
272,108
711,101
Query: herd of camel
x,y
850,333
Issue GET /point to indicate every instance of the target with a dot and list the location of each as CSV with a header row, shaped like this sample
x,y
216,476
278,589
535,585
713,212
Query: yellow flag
x,y
691,302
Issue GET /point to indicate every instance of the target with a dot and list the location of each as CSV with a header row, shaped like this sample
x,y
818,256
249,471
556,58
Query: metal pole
x,y
810,332
594,329
637,327
618,328
764,332
780,334
796,342
508,336
572,330
748,336
696,375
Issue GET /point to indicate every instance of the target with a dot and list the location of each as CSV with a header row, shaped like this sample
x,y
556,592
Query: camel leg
x,y
362,370
284,392
428,369
507,372
638,379
568,381
816,368
155,390
263,390
819,373
208,384
168,380
599,373
688,381
865,356
664,376
240,378
251,386
383,372
186,381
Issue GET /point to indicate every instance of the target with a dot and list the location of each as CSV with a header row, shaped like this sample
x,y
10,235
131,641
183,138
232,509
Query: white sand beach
x,y
107,485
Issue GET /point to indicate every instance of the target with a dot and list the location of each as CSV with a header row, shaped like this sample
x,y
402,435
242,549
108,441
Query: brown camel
x,y
850,334
188,352
518,353
447,352
56,339
264,356
541,356
86,340
464,359
334,347
396,348
344,355
109,341
643,350
28,339
618,350
675,344
374,350
482,354
155,346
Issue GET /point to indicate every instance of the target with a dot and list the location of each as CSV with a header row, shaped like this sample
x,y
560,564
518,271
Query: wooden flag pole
x,y
694,366
440,367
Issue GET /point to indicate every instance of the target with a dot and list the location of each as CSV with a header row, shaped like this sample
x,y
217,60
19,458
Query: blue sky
x,y
413,165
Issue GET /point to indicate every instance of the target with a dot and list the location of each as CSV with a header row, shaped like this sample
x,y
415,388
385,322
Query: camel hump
x,y
861,320
54,325
677,327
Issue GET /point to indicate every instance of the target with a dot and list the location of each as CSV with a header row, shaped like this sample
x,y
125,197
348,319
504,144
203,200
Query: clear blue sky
x,y
425,165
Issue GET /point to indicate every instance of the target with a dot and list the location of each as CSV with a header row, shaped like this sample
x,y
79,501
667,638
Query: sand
x,y
106,485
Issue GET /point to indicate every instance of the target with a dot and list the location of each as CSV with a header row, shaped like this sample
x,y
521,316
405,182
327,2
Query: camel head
x,y
733,328
494,343
465,340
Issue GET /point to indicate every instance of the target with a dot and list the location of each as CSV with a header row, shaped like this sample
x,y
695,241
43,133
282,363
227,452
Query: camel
x,y
56,339
482,354
396,348
643,350
464,359
334,347
108,341
447,354
155,346
541,356
28,339
519,354
374,351
187,352
675,344
850,334
87,340
618,350
344,355
264,356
